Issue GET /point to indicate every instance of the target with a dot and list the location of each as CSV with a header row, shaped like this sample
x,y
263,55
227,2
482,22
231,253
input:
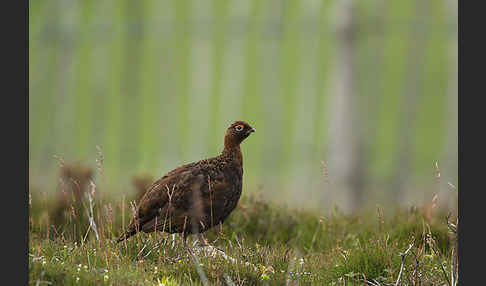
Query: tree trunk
x,y
346,144
409,105
450,152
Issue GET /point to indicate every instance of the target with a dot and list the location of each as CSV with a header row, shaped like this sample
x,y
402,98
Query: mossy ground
x,y
267,244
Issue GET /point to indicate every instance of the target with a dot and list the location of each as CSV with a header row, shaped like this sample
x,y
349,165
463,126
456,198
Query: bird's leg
x,y
211,250
202,240
184,239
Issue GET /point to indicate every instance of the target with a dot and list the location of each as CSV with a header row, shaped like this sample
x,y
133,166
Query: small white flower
x,y
106,277
77,279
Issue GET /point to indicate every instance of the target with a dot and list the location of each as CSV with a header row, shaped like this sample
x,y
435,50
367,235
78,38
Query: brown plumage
x,y
197,196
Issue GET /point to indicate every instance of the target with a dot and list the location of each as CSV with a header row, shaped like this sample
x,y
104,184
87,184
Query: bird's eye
x,y
239,127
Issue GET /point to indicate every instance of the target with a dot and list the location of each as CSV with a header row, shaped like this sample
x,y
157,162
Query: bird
x,y
194,197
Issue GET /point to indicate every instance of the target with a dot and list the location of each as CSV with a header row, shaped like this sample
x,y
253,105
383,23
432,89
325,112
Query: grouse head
x,y
236,133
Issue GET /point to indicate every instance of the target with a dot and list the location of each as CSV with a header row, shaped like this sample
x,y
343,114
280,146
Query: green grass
x,y
270,244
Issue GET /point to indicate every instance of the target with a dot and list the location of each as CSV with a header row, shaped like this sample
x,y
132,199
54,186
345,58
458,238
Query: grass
x,y
268,244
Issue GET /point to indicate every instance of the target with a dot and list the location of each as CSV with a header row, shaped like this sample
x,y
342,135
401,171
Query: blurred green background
x,y
155,83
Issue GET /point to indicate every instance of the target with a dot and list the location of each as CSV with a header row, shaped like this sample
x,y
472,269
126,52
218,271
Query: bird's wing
x,y
179,205
171,188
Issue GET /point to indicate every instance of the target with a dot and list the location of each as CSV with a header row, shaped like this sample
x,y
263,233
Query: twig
x,y
431,242
369,282
441,266
403,256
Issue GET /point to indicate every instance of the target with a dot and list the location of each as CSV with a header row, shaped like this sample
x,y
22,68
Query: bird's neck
x,y
234,152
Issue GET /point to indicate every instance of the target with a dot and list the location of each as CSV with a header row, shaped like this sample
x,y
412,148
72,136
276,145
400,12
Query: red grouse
x,y
197,196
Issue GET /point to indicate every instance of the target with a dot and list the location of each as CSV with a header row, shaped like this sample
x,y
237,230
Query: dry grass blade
x,y
99,160
92,223
452,227
263,244
454,259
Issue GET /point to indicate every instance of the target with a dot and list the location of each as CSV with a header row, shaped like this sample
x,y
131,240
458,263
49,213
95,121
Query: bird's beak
x,y
250,131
